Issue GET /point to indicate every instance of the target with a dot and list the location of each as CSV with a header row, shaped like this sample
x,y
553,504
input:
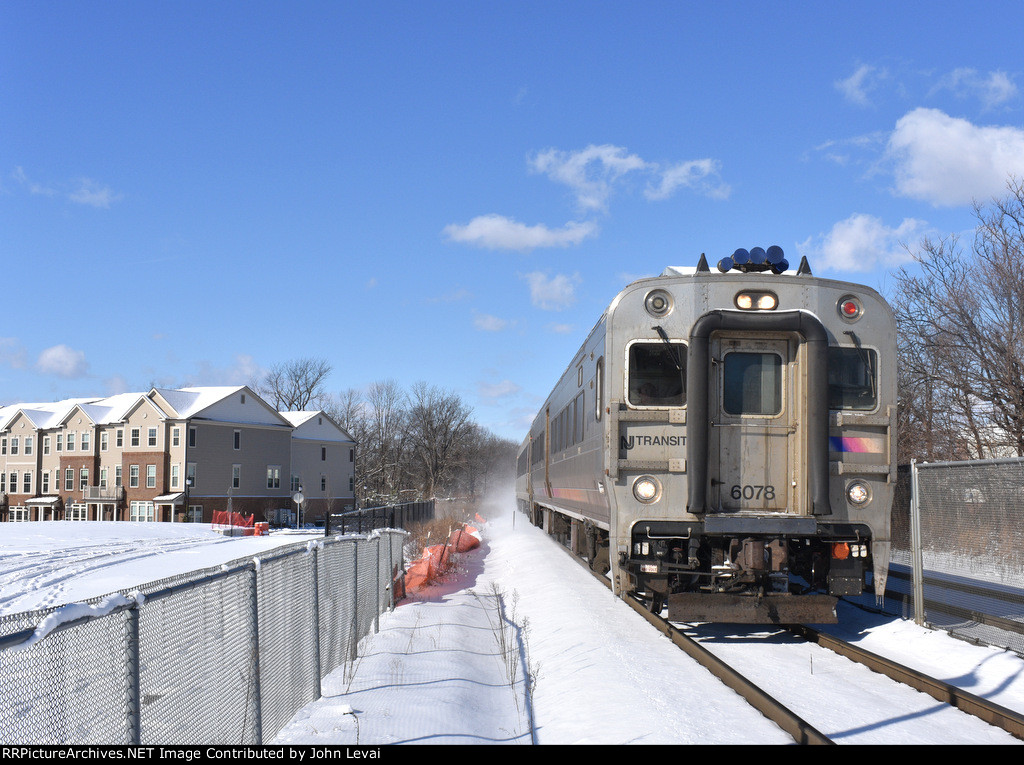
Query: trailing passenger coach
x,y
724,443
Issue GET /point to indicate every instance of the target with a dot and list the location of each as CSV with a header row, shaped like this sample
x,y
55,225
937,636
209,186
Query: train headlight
x,y
858,493
658,303
756,301
646,489
849,308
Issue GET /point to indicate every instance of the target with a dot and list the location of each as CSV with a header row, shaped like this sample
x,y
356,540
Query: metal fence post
x,y
133,705
916,557
254,616
355,600
376,593
316,624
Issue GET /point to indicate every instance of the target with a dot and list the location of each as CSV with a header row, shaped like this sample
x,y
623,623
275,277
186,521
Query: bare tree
x,y
295,386
438,425
961,340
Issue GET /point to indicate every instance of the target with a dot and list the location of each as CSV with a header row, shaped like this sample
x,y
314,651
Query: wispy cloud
x,y
862,82
552,293
496,232
84,191
502,389
992,89
861,243
487,323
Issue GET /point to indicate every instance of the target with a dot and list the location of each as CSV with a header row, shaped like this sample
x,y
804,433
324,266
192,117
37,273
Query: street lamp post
x,y
297,499
188,486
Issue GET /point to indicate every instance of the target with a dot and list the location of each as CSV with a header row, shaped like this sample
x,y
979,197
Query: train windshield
x,y
657,374
852,382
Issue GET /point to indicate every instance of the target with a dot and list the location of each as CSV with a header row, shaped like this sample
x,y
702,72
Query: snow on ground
x,y
53,563
443,669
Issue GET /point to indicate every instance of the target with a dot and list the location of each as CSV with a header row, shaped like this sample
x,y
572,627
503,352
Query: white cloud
x,y
496,232
62,361
594,172
554,293
93,194
856,87
699,174
34,187
590,172
242,370
561,329
860,243
487,323
498,390
950,161
991,89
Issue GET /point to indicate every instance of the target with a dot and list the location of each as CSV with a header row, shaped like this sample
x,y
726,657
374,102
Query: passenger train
x,y
723,443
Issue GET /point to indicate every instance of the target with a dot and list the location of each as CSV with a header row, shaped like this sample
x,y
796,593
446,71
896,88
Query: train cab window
x,y
657,374
752,383
852,379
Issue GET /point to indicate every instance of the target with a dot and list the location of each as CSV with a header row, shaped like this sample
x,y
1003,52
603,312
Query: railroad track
x,y
800,729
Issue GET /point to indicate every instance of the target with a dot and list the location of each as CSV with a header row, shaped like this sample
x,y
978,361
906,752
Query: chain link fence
x,y
958,549
221,656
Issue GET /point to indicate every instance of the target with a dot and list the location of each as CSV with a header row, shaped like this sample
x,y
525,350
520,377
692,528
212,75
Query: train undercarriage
x,y
762,578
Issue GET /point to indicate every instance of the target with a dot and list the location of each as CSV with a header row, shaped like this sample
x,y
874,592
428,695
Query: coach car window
x,y
657,374
852,381
753,383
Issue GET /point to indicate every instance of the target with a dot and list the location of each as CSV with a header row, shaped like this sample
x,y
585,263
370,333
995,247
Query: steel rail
x,y
801,731
994,714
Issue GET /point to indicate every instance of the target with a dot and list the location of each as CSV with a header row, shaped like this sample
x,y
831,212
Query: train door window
x,y
852,379
598,387
657,374
752,383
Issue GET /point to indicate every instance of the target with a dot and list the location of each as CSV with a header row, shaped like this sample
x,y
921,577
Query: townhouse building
x,y
170,455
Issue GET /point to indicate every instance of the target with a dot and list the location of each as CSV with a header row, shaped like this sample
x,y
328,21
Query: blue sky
x,y
191,192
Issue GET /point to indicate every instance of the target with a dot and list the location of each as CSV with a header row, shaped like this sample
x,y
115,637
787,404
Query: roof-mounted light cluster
x,y
755,259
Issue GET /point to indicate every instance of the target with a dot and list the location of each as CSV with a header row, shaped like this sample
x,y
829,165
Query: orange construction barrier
x,y
436,559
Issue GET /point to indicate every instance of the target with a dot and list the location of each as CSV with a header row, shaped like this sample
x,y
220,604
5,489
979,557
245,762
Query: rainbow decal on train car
x,y
857,444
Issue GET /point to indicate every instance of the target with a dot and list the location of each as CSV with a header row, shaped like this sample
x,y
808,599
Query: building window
x,y
142,512
26,482
133,476
150,476
151,436
175,470
191,436
323,454
19,514
295,483
85,441
236,476
77,512
14,445
46,444
83,478
135,437
273,476
71,441
69,479
118,439
3,445
351,483
195,513
323,483
103,478
118,470
190,474
238,440
28,445
60,442
104,441
176,437
351,455
46,482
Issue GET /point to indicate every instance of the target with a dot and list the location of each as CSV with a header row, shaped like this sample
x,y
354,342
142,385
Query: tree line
x,y
960,326
413,444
